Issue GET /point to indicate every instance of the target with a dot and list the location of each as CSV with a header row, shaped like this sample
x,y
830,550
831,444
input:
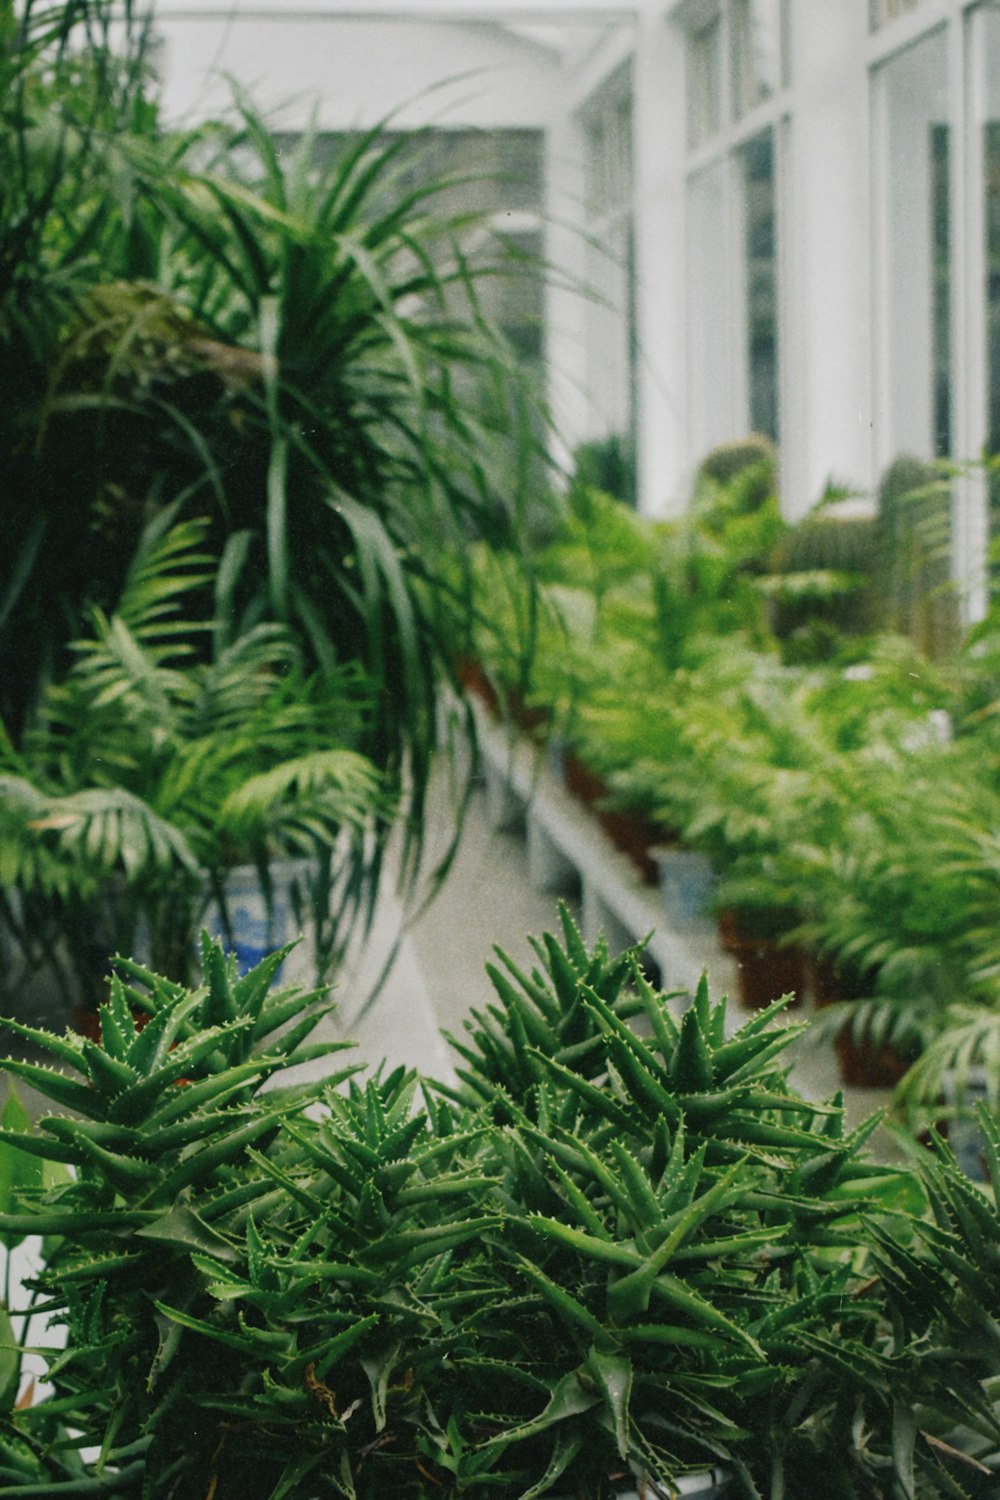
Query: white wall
x,y
538,72
353,70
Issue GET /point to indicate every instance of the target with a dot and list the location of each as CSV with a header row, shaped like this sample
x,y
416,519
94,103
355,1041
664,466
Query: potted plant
x,y
613,1250
902,898
153,777
284,338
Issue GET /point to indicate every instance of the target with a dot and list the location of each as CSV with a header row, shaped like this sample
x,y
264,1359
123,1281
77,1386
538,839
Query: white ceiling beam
x,y
515,12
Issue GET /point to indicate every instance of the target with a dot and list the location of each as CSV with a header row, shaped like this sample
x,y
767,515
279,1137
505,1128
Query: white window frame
x,y
612,219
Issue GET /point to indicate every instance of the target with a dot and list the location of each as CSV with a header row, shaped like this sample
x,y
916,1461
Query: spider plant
x,y
74,91
151,772
294,340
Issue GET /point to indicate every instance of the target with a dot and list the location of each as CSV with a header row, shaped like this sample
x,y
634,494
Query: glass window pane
x,y
713,347
609,382
495,173
608,164
983,39
887,10
940,211
757,52
594,167
704,82
990,63
761,258
915,283
610,273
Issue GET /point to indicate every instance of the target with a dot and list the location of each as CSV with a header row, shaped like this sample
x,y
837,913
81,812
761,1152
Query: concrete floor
x,y
439,974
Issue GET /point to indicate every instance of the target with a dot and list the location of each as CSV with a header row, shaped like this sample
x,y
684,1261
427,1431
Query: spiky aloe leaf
x,y
613,1372
20,1172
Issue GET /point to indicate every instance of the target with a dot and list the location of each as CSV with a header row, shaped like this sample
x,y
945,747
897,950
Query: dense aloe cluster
x,y
621,1245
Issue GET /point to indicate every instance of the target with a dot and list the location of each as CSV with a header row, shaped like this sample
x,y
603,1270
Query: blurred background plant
x,y
147,775
838,763
284,345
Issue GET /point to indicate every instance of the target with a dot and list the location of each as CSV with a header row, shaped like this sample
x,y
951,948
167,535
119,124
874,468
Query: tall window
x,y
714,346
610,330
912,109
735,136
497,176
758,52
760,223
936,115
986,126
704,82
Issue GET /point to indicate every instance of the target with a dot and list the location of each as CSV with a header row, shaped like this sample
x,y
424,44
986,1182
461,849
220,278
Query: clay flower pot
x,y
766,966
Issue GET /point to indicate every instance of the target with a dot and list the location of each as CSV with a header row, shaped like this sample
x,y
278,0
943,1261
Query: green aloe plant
x,y
163,1120
622,1245
658,1160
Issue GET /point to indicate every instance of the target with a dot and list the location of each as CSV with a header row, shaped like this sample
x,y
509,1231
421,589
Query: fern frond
x,y
111,829
968,1044
169,562
301,800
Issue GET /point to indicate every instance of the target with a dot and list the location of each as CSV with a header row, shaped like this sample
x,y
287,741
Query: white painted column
x,y
664,461
826,348
565,301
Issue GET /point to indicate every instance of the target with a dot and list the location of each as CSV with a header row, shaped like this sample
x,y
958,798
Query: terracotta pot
x,y
581,781
629,831
829,984
766,971
635,836
866,1064
767,967
530,719
863,1063
731,937
472,675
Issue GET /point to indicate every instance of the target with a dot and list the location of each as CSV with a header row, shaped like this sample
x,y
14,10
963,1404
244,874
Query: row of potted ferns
x,y
684,876
840,813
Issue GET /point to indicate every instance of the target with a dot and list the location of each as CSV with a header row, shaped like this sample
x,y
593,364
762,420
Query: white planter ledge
x,y
708,1484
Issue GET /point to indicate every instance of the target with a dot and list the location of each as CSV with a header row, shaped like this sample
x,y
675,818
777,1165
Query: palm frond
x,y
169,562
303,803
967,1045
109,829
